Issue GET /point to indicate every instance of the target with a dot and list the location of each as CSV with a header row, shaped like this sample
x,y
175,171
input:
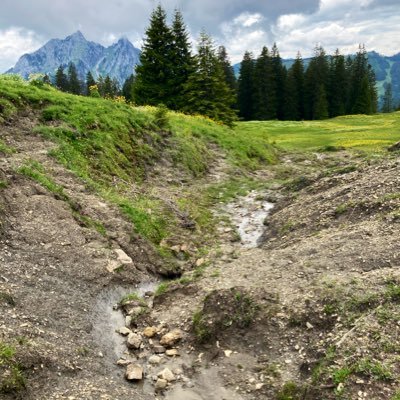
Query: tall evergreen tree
x,y
338,85
294,91
127,88
229,73
320,105
206,90
264,94
74,84
387,105
90,81
181,61
317,75
153,74
61,80
278,77
246,87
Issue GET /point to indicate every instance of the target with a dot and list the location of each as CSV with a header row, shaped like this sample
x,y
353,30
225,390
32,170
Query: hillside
x,y
151,223
118,60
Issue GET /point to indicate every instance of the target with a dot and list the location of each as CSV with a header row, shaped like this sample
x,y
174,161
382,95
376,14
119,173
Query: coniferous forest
x,y
203,82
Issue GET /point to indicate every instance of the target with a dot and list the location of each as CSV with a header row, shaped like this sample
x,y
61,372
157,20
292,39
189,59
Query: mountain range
x,y
119,60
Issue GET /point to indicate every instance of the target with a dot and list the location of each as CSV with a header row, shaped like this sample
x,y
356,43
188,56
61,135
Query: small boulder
x,y
161,384
134,372
166,374
124,331
172,352
150,331
134,341
154,359
171,338
158,349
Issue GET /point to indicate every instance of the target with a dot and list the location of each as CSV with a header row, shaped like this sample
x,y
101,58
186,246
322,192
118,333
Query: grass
x,y
368,133
11,376
6,149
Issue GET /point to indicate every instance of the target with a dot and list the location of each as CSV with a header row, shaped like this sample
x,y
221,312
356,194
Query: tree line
x,y
205,83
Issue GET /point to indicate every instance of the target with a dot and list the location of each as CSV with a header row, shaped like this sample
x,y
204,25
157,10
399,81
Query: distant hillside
x,y
118,60
387,69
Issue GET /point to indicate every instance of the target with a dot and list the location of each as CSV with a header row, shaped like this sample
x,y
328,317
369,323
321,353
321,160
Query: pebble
x,y
134,341
124,331
166,374
161,384
154,359
171,338
134,372
172,352
150,331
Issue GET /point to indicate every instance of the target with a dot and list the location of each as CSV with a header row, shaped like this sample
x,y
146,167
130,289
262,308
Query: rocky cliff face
x,y
118,60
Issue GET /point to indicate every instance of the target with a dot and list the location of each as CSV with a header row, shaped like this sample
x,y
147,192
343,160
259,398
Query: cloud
x,y
13,43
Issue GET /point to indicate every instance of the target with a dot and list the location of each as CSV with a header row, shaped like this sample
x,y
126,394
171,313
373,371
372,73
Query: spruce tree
x,y
294,91
153,74
246,87
229,73
338,85
61,80
181,61
206,90
387,104
263,92
278,82
127,88
90,81
108,88
320,105
74,85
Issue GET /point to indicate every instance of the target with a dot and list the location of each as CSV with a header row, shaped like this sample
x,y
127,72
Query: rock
x,y
309,326
154,359
122,257
134,341
171,338
200,262
150,331
166,374
128,321
124,362
172,352
134,372
124,331
158,349
161,384
228,353
259,386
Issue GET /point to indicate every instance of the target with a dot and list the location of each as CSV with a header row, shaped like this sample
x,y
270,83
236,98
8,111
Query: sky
x,y
239,25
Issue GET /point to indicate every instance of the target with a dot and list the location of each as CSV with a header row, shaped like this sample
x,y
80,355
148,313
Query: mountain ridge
x,y
117,60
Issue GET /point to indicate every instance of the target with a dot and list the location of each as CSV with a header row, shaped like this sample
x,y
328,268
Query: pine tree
x,y
278,78
61,80
246,87
127,88
206,90
338,85
46,79
317,75
90,81
387,105
229,73
74,85
153,74
320,105
181,61
294,91
264,94
108,88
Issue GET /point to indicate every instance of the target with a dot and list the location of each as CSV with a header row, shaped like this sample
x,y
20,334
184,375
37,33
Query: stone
x,y
134,372
150,331
228,353
200,262
166,374
158,349
161,384
259,386
309,326
172,352
128,321
124,331
134,341
171,338
122,257
124,362
154,359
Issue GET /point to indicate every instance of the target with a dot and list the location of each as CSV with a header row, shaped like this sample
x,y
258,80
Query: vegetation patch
x,y
12,378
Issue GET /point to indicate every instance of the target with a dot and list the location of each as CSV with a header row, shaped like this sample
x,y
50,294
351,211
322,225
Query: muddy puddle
x,y
107,318
248,214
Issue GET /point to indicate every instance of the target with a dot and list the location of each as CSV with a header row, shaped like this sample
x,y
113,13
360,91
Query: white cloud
x,y
246,19
13,43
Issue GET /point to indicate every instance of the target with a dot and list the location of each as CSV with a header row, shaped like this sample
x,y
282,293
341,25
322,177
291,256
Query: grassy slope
x,y
360,132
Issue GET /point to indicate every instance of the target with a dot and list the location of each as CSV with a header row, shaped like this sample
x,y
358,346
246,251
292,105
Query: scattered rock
x,y
134,341
154,359
124,362
134,372
166,374
309,326
161,384
124,331
158,349
200,262
228,353
171,338
150,331
172,352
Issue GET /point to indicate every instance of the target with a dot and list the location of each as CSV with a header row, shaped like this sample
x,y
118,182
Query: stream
x,y
248,214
